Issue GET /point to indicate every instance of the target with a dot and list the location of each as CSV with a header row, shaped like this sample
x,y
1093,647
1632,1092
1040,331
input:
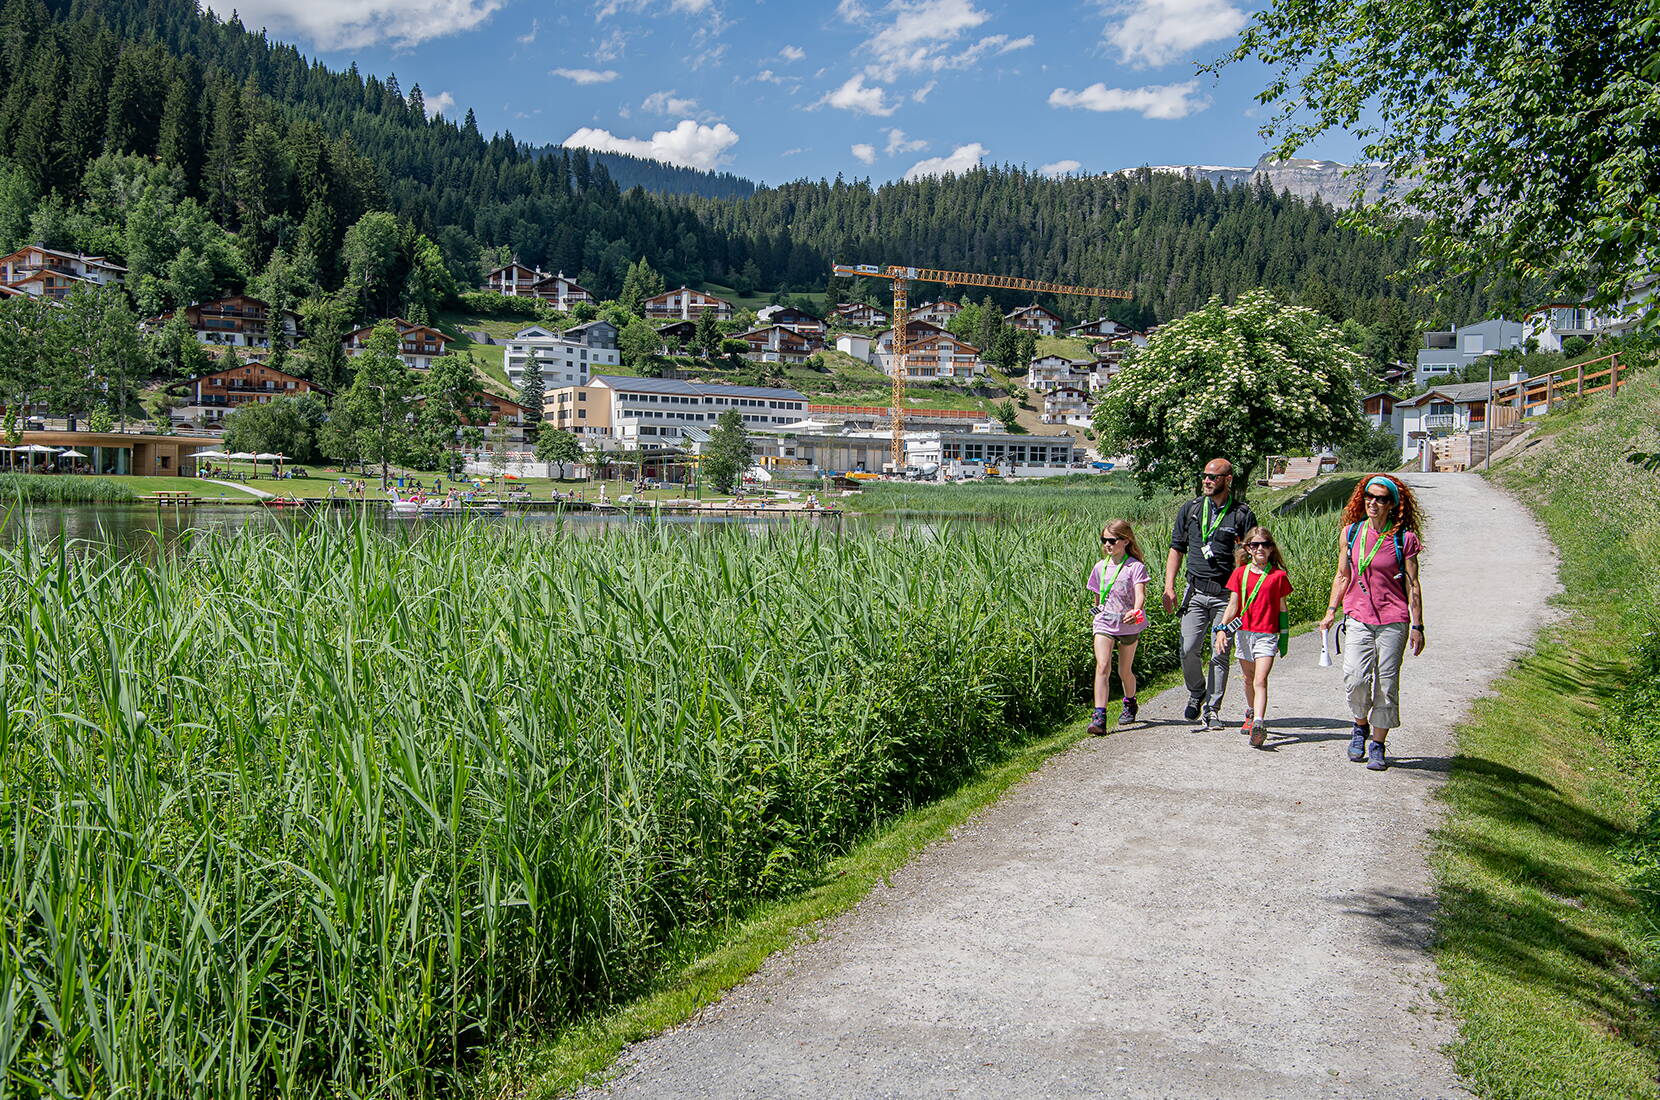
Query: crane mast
x,y
902,278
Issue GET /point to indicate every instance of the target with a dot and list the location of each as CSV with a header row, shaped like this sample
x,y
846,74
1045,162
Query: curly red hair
x,y
1405,513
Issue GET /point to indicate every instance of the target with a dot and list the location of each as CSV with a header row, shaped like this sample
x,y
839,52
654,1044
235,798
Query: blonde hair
x,y
1121,528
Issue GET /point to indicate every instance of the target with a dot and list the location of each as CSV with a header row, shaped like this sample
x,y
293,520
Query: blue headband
x,y
1394,490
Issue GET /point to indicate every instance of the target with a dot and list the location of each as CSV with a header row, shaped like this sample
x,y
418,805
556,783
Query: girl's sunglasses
x,y
1105,541
1260,545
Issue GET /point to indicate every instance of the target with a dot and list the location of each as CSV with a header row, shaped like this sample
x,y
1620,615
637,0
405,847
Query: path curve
x,y
260,493
1163,912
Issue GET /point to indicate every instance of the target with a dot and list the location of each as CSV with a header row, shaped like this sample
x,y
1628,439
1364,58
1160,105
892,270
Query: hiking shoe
x,y
1191,714
1375,760
1357,743
1098,723
1259,734
1212,722
1245,726
1127,715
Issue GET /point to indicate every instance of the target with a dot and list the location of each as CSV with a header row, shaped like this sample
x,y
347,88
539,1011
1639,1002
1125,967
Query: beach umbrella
x,y
210,454
241,456
72,454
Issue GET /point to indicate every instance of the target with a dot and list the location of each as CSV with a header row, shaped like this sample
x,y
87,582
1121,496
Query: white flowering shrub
x,y
1240,382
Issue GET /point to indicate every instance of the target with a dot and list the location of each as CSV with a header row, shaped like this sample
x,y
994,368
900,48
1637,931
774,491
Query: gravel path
x,y
1163,912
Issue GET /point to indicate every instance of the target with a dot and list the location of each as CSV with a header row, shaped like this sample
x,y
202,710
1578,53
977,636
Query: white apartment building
x,y
1020,455
658,411
566,358
1067,404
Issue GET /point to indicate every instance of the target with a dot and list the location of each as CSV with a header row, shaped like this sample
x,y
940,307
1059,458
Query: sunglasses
x,y
1213,477
1105,541
1260,545
1381,498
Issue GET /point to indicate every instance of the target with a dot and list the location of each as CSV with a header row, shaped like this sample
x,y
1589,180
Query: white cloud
x,y
585,76
1157,32
854,96
793,152
898,143
667,103
611,46
354,24
689,144
921,94
792,53
960,160
919,29
865,153
530,36
1059,168
1162,101
443,101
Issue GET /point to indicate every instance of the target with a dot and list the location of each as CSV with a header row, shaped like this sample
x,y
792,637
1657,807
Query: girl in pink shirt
x,y
1119,584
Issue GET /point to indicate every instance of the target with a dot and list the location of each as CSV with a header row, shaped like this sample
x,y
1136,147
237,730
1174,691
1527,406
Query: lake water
x,y
145,526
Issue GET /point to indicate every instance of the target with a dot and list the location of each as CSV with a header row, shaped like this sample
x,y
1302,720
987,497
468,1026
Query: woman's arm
x,y
1140,598
1339,584
1415,607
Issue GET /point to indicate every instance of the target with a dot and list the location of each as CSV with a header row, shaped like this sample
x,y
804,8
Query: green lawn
x,y
1546,945
1064,346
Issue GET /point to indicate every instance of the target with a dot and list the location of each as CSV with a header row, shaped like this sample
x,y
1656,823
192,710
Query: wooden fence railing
x,y
1520,399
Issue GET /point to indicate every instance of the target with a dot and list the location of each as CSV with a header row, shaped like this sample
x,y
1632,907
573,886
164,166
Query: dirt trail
x,y
1163,912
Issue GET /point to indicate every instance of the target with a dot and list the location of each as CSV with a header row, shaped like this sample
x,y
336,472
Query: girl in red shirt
x,y
1260,586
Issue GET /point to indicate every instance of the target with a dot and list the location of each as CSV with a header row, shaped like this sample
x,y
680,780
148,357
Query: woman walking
x,y
1377,587
1119,584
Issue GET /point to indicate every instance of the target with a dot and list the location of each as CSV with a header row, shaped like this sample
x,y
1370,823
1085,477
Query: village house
x,y
658,411
677,335
854,344
1066,404
564,358
1440,411
514,278
859,315
934,355
1045,372
211,397
1100,327
237,321
48,273
418,345
936,313
1379,409
792,318
491,411
1449,351
687,305
1035,318
777,344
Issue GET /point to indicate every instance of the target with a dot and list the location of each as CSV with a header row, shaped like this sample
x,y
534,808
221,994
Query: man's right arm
x,y
1173,560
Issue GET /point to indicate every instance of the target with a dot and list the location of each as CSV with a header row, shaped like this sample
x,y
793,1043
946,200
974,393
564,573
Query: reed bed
x,y
62,489
318,813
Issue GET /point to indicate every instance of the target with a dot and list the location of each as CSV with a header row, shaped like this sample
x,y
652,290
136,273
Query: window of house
x,y
1440,408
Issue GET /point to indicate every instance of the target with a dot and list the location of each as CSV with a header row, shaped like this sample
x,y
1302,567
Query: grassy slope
x,y
1541,943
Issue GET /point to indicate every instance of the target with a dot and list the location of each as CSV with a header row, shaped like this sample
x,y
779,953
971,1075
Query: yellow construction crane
x,y
902,278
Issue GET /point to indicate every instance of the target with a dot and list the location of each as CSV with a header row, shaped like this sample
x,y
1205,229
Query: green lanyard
x,y
1107,591
1251,598
1360,572
1208,528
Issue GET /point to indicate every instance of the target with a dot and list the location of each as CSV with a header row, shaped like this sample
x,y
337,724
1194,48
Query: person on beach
x,y
1260,587
1377,587
1205,533
1119,583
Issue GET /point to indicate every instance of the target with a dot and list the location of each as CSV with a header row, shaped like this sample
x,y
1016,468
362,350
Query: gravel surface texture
x,y
1162,912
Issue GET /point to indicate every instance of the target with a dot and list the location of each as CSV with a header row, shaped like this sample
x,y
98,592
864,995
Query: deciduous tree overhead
x,y
1239,382
1527,133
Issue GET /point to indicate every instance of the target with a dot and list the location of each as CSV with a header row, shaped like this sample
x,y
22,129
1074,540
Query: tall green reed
x,y
62,489
318,813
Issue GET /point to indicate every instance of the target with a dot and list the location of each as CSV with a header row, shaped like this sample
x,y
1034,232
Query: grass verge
x,y
1545,948
583,1054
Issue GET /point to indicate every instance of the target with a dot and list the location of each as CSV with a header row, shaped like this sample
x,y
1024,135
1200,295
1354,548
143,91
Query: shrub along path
x,y
1162,912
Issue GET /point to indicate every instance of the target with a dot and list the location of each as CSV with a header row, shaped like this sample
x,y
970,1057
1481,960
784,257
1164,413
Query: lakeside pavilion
x,y
116,452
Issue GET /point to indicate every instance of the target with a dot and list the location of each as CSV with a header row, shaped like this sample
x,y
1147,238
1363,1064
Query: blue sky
x,y
776,91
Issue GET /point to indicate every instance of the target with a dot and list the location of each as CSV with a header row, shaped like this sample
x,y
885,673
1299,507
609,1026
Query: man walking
x,y
1205,532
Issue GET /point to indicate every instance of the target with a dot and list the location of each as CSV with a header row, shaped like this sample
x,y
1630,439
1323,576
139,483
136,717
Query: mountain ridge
x,y
1329,181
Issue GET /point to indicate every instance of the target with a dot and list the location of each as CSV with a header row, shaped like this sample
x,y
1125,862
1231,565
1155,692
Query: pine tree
x,y
532,395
